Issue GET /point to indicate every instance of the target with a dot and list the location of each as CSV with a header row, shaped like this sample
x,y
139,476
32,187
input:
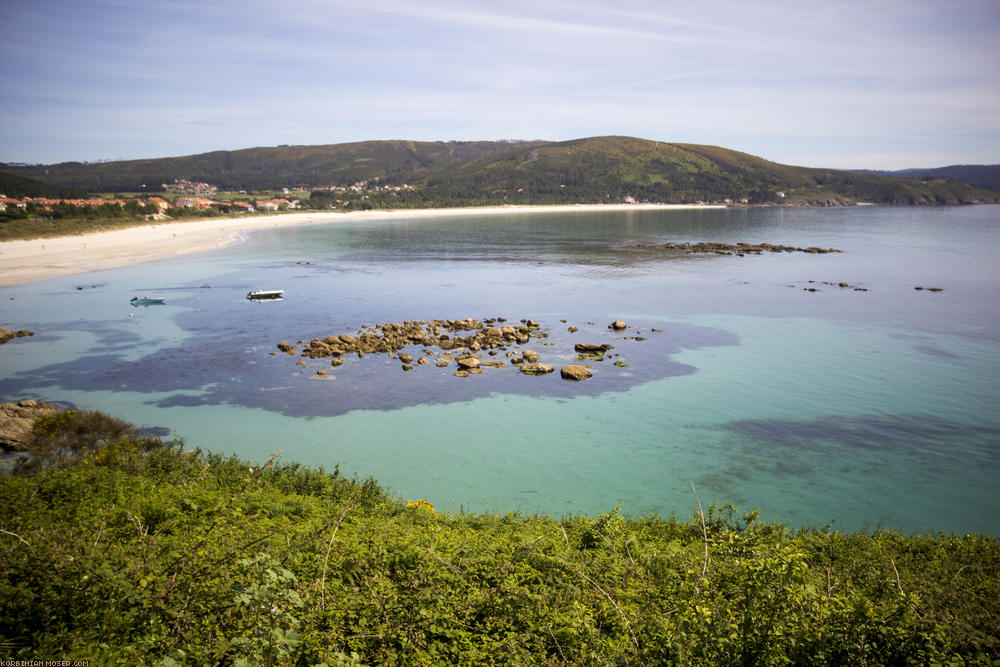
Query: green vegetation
x,y
264,168
20,186
121,549
986,177
593,170
66,219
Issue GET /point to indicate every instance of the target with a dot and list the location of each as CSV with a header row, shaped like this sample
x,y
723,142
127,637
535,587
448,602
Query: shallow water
x,y
858,407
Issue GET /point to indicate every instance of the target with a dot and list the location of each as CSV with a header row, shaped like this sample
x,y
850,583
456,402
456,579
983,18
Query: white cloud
x,y
149,77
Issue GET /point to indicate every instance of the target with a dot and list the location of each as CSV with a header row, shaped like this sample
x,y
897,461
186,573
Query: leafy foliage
x,y
128,553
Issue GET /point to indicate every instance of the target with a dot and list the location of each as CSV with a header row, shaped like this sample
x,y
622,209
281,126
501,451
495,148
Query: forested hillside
x,y
267,168
21,186
594,170
985,177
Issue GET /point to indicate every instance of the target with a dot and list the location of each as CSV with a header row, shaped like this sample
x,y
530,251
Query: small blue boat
x,y
146,301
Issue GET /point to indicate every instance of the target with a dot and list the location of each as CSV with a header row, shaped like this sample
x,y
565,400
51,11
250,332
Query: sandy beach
x,y
40,259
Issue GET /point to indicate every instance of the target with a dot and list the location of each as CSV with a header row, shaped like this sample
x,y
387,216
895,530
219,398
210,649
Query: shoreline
x,y
41,259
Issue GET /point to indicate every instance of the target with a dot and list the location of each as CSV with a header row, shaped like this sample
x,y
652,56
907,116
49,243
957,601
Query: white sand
x,y
40,259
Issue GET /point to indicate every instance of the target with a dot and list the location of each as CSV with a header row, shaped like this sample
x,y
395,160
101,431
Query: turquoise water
x,y
859,407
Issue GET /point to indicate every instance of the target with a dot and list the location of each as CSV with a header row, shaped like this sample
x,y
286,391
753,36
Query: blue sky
x,y
883,84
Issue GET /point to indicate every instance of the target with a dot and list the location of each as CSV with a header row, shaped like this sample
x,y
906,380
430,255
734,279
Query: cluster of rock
x,y
458,340
841,285
7,334
16,420
739,249
468,334
465,343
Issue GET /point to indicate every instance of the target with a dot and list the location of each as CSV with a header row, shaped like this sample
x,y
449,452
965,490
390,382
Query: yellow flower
x,y
421,504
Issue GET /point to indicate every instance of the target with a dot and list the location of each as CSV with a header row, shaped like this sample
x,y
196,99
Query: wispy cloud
x,y
791,80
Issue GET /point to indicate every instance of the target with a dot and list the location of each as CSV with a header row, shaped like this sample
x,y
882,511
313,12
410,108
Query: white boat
x,y
265,295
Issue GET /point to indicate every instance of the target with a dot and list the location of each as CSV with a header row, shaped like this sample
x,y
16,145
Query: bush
x,y
122,551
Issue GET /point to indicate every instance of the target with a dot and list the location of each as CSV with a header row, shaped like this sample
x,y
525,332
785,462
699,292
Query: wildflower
x,y
421,503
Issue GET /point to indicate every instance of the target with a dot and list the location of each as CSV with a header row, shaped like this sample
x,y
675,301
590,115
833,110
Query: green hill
x,y
986,177
610,168
597,169
266,168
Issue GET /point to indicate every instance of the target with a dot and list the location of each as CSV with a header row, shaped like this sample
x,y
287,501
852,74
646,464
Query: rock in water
x,y
591,348
7,334
467,362
536,368
575,372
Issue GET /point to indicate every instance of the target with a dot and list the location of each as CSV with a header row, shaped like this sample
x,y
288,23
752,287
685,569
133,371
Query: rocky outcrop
x,y
468,334
16,420
575,372
469,346
7,334
739,249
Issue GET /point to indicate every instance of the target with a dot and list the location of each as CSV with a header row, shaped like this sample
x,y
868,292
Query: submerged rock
x,y
536,368
591,348
740,249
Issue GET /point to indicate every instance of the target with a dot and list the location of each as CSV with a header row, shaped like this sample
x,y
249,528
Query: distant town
x,y
184,194
184,197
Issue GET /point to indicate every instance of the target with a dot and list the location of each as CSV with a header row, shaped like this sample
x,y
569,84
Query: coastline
x,y
41,259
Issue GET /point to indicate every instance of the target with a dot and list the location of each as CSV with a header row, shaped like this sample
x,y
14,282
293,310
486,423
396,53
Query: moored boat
x,y
146,301
265,295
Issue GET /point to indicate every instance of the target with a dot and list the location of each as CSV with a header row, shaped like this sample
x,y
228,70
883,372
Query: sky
x,y
877,84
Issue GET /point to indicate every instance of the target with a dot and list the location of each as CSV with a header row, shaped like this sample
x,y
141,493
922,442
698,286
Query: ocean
x,y
756,379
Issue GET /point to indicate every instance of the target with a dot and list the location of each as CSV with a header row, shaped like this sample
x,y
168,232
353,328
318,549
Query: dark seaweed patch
x,y
881,433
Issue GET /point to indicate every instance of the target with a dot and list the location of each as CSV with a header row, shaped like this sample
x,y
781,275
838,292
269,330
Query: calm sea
x,y
874,404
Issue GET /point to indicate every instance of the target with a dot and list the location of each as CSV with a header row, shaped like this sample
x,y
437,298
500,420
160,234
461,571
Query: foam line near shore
x,y
41,259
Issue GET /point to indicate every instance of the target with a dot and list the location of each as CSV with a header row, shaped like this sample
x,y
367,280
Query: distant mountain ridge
x,y
595,169
983,176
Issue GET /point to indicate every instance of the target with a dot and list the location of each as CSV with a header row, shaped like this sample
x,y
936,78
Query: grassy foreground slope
x,y
120,550
592,170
